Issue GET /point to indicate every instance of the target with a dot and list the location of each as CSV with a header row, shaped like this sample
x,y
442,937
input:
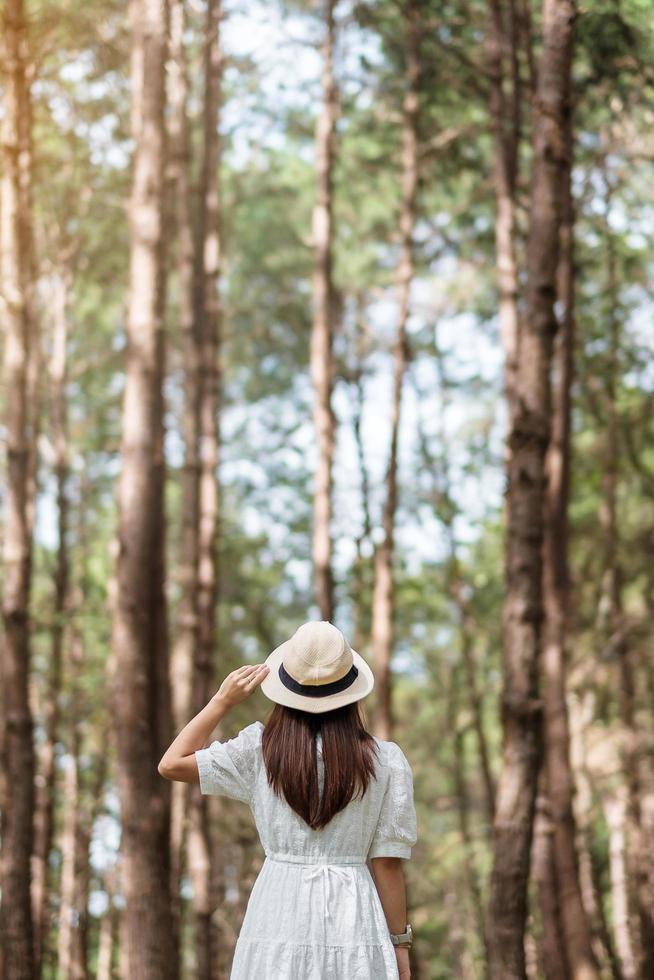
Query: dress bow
x,y
327,872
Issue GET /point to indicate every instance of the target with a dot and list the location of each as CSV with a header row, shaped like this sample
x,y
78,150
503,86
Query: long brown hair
x,y
290,757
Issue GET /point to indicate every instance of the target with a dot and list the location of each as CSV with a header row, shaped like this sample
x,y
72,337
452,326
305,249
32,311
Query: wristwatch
x,y
404,939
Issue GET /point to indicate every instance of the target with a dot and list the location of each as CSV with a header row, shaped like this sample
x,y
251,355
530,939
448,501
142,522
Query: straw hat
x,y
317,670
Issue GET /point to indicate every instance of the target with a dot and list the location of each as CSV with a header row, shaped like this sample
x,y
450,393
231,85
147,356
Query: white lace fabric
x,y
314,912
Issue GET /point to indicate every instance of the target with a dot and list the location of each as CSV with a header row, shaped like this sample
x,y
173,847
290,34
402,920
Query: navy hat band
x,y
318,690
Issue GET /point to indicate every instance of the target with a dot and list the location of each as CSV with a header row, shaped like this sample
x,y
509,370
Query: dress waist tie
x,y
327,872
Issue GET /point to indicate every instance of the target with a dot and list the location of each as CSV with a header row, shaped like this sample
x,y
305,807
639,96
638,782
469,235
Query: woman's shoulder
x,y
391,756
252,733
247,740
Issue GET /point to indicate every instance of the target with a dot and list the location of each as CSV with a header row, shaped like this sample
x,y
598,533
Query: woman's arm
x,y
178,761
388,874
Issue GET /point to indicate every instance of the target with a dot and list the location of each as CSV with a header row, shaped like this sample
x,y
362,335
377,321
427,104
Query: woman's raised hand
x,y
240,684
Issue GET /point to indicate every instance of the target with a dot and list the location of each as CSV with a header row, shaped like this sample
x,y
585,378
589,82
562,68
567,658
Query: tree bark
x,y
466,633
636,951
80,809
471,871
321,355
140,682
187,625
179,196
528,439
72,910
207,338
17,285
68,867
615,810
45,788
107,933
383,599
207,317
552,960
505,116
123,965
589,870
86,821
576,933
362,566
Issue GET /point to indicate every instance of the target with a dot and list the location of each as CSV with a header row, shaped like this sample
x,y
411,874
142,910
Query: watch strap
x,y
402,939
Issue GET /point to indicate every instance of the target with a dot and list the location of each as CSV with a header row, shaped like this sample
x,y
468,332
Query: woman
x,y
326,796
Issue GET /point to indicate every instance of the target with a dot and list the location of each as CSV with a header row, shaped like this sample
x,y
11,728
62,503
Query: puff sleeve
x,y
230,768
396,830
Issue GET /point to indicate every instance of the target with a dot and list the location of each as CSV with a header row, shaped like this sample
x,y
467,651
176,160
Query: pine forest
x,y
335,310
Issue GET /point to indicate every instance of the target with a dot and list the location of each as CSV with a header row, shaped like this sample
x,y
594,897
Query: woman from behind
x,y
327,798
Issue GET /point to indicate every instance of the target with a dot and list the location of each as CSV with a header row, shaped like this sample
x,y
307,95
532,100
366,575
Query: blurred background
x,y
341,311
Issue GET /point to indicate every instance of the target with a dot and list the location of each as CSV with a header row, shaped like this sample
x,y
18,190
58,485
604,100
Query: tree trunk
x,y
615,810
16,270
123,965
207,334
466,632
207,316
528,440
505,123
80,812
107,933
576,933
68,962
140,682
322,367
552,960
45,788
589,870
85,823
644,778
638,896
361,569
187,625
383,599
463,811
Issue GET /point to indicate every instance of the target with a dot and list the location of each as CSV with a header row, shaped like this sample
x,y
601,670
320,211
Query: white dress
x,y
314,912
